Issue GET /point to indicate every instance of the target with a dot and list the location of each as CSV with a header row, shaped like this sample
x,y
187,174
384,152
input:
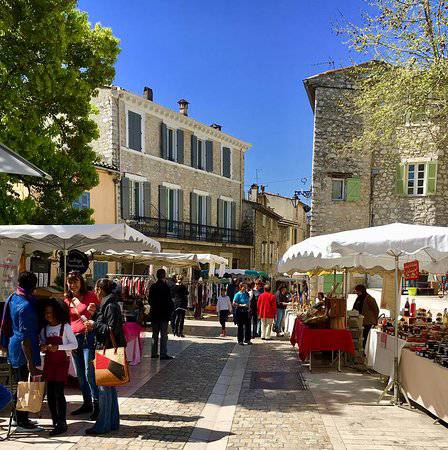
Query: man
x,y
162,308
254,294
241,305
23,347
282,301
267,307
366,305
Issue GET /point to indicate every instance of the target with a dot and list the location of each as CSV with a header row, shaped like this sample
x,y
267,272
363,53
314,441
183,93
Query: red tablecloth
x,y
317,340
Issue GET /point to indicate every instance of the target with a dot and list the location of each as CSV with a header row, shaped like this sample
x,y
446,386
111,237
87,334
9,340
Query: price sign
x,y
411,270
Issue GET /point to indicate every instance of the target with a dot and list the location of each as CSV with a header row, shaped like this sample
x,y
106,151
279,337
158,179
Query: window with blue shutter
x,y
134,131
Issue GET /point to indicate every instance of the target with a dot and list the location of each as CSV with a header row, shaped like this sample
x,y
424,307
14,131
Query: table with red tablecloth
x,y
317,340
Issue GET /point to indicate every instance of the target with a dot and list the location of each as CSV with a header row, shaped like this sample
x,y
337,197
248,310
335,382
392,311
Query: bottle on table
x,y
413,308
406,312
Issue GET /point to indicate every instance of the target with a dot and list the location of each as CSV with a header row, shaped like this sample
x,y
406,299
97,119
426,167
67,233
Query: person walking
x,y
108,320
282,301
57,340
223,308
162,307
241,305
267,308
366,305
180,293
257,289
83,304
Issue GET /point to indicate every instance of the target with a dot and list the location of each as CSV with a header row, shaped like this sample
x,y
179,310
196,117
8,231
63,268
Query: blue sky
x,y
240,63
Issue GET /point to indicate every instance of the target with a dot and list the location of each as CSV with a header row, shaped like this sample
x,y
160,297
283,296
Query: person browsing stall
x,y
223,308
241,304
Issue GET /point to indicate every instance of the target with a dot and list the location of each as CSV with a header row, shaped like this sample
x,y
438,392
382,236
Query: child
x,y
223,308
57,341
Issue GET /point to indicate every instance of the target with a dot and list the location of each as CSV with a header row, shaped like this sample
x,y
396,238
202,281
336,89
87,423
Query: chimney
x,y
148,94
262,189
253,193
183,106
216,126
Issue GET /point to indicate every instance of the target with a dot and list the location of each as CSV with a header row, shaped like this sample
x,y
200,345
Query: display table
x,y
290,317
317,340
425,382
380,348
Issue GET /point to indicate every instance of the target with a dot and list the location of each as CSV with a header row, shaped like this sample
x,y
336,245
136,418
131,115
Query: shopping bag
x,y
111,366
30,395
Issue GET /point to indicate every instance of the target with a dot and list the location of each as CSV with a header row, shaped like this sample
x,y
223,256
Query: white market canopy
x,y
369,248
11,162
162,259
46,238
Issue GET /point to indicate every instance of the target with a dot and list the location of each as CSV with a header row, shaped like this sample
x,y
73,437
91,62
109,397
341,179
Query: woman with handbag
x,y
107,324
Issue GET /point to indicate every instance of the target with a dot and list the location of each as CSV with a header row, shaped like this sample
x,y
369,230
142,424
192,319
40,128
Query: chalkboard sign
x,y
76,262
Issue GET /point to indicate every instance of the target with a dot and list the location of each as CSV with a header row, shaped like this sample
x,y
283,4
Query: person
x,y
232,289
320,298
223,308
180,293
106,321
282,301
241,305
366,305
256,290
20,332
267,308
162,307
83,305
57,340
304,292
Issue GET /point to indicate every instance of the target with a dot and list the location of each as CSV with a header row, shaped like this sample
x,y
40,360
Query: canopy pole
x,y
65,267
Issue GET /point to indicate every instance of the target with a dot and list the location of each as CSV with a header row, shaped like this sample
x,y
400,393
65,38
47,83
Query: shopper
x,y
256,290
180,293
57,340
162,308
267,308
223,308
20,333
241,305
83,304
366,305
107,320
282,301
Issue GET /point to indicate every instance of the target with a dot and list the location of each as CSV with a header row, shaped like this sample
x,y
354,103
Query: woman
x,y
82,304
107,320
267,309
180,294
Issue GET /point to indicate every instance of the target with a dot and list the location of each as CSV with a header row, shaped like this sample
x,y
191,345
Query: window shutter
x,y
226,162
400,179
220,214
194,151
233,219
125,198
209,156
146,199
353,188
194,207
134,131
180,205
180,146
163,141
163,203
208,203
431,180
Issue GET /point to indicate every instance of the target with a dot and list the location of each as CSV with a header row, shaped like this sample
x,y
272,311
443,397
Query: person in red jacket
x,y
267,308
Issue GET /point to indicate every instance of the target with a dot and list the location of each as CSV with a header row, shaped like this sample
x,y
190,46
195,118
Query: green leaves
x,y
51,62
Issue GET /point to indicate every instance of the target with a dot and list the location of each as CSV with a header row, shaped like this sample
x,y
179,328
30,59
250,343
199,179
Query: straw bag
x,y
111,366
30,395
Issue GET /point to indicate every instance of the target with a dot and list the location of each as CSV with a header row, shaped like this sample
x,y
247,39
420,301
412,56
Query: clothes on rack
x,y
131,286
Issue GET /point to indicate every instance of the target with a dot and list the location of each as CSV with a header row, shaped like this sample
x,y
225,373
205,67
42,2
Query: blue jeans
x,y
109,418
83,358
279,321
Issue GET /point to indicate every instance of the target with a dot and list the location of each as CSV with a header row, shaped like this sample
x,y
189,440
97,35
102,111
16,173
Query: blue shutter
x,y
100,269
226,154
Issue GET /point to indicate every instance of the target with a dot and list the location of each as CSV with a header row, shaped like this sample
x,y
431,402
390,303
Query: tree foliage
x,y
51,63
403,97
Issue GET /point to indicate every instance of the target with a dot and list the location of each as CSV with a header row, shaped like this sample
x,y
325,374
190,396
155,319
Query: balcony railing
x,y
165,228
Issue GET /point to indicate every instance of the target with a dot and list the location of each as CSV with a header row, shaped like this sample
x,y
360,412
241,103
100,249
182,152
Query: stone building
x,y
181,180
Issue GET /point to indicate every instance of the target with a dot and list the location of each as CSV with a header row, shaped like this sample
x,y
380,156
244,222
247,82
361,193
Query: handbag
x,y
30,395
111,365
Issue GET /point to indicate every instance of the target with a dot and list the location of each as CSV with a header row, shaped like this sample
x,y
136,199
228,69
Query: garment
x,y
266,328
223,316
365,334
79,310
279,325
232,289
267,306
366,305
161,302
24,325
281,299
242,299
109,319
179,320
159,328
243,322
254,294
180,296
223,303
20,374
57,403
69,341
109,416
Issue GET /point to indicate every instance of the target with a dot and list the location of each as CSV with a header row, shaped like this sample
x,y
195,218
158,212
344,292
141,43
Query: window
x,y
271,252
202,210
295,236
171,144
227,214
416,176
263,252
337,189
226,158
83,201
134,131
201,154
137,195
263,220
348,189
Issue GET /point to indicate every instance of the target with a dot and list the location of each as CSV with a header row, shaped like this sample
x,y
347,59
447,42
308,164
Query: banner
x,y
411,271
10,253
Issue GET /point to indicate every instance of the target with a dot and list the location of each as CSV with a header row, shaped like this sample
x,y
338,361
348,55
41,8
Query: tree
x,y
403,98
51,63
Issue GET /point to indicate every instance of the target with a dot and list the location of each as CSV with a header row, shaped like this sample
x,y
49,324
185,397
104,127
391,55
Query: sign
x,y
10,253
76,262
411,271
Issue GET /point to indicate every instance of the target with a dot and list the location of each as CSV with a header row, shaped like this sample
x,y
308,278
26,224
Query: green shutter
x,y
193,208
220,213
194,151
208,213
163,141
209,156
180,205
226,162
233,218
163,202
134,131
353,189
125,198
180,146
431,180
400,177
146,199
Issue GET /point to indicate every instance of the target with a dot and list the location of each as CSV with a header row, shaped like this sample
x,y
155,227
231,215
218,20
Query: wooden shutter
x,y
193,208
125,198
146,199
220,213
233,218
134,131
431,180
208,203
163,141
226,154
180,205
353,189
209,156
400,177
163,202
180,146
194,151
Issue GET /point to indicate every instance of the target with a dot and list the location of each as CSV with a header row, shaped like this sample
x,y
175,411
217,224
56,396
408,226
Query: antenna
x,y
330,63
256,174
